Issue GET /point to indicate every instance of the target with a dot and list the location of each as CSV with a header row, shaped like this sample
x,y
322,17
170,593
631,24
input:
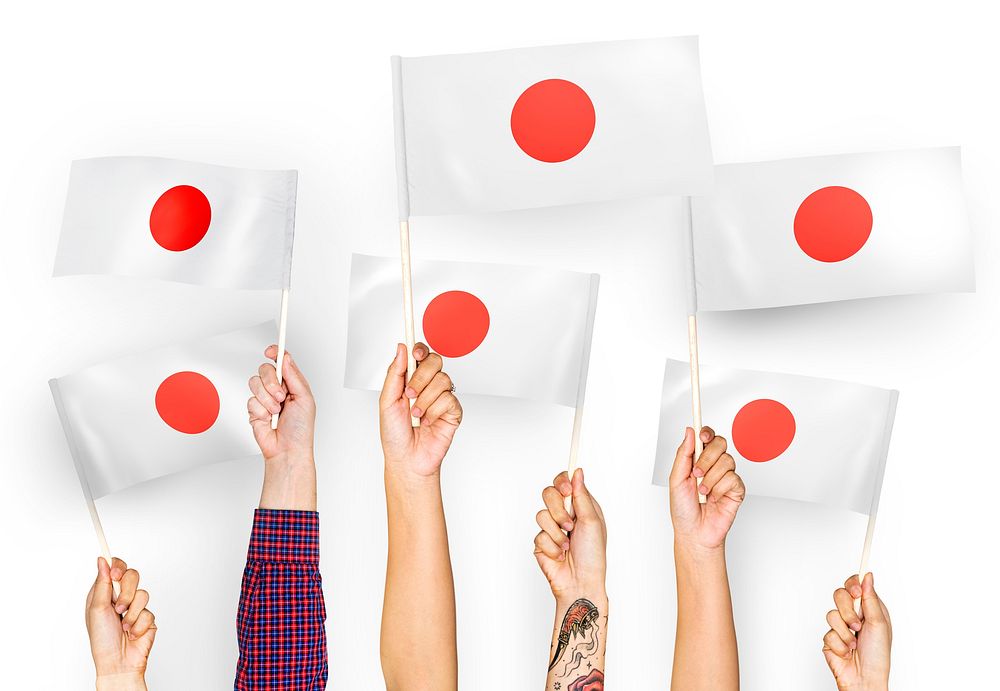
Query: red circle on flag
x,y
188,402
553,120
833,223
763,430
180,218
455,323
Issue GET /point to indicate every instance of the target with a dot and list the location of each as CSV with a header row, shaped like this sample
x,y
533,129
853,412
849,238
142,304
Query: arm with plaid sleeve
x,y
281,619
280,625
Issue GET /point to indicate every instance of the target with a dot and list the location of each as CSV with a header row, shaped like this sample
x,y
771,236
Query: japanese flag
x,y
144,416
178,221
793,437
503,330
832,228
547,126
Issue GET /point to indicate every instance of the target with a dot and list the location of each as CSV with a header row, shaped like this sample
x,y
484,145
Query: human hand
x,y
417,451
575,565
293,399
857,647
121,629
704,526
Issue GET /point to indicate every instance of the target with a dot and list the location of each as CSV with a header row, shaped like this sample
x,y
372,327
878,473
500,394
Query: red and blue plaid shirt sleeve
x,y
281,621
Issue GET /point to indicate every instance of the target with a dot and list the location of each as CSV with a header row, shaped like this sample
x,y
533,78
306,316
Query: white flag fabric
x,y
178,221
832,228
503,330
552,125
793,437
144,416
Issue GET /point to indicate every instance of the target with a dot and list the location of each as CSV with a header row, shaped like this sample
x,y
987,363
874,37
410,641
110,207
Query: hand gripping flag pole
x,y
692,311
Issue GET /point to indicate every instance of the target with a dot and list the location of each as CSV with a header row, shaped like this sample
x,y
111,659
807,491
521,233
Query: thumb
x,y
583,503
871,606
293,377
395,379
102,586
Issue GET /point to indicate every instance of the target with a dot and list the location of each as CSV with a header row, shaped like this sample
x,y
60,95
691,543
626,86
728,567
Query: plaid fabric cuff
x,y
284,536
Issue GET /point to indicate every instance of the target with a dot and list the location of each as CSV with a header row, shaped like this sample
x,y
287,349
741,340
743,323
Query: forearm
x,y
579,640
705,629
289,483
418,588
121,682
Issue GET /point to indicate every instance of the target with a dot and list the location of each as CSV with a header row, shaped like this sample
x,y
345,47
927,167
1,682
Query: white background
x,y
286,85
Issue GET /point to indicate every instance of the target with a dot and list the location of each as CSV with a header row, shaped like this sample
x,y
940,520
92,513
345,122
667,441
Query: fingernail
x,y
410,392
280,394
852,644
562,557
856,591
126,627
698,472
703,489
704,436
567,526
565,546
855,626
116,574
121,609
416,412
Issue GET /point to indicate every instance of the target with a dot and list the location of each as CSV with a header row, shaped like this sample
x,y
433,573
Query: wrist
x,y
596,594
289,481
123,681
292,458
400,474
693,551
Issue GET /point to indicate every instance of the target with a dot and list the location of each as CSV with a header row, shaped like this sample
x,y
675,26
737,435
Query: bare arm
x,y
418,584
575,564
705,652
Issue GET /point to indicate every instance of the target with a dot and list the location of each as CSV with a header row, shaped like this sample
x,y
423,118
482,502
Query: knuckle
x,y
540,516
434,360
445,379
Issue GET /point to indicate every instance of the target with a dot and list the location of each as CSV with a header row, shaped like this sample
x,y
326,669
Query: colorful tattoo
x,y
580,617
592,682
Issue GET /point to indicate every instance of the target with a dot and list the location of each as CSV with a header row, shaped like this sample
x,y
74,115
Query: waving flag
x,y
549,126
144,416
504,330
832,228
178,221
793,437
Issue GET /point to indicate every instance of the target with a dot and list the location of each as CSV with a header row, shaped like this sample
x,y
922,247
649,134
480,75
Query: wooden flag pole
x,y
574,453
403,200
88,494
866,553
102,541
581,391
280,361
692,310
695,393
409,331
